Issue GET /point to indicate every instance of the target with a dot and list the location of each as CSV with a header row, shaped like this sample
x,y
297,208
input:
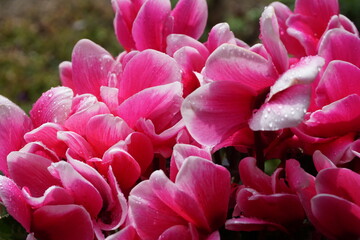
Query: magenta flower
x,y
331,200
192,207
141,25
264,202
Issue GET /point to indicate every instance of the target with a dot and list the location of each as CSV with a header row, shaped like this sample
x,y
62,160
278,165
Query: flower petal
x,y
218,35
216,110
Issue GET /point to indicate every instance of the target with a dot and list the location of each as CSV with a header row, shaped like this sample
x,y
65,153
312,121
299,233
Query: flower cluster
x,y
174,138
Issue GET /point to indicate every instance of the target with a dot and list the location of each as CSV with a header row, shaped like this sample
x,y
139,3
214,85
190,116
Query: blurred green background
x,y
37,35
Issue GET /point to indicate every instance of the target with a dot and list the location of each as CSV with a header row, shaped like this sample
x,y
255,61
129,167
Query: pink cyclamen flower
x,y
141,25
332,124
238,79
192,207
330,199
264,202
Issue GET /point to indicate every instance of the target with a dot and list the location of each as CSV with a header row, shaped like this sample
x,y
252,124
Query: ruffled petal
x,y
219,35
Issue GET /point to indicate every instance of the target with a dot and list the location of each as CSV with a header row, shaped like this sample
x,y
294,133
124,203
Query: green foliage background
x,y
37,35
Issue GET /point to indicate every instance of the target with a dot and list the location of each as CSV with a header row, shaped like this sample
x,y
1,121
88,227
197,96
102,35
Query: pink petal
x,y
303,72
337,118
338,44
60,222
177,232
190,17
183,151
209,185
341,182
179,201
292,45
163,103
341,21
283,208
149,215
65,70
285,109
270,37
83,191
252,224
177,41
91,65
47,134
149,25
337,82
53,106
338,217
215,111
233,63
126,169
40,149
54,195
218,35
148,69
321,161
12,198
323,8
78,147
30,171
253,177
110,96
83,108
14,123
103,131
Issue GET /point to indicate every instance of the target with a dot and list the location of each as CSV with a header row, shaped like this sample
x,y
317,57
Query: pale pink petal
x,y
30,236
53,106
83,108
91,65
162,104
148,25
78,147
181,152
60,222
253,177
321,161
338,44
47,134
30,171
285,109
110,96
177,41
14,123
83,191
233,63
216,110
218,35
337,118
341,182
148,69
270,36
337,82
209,185
338,217
54,195
149,215
65,70
303,72
12,198
103,131
190,17
252,224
